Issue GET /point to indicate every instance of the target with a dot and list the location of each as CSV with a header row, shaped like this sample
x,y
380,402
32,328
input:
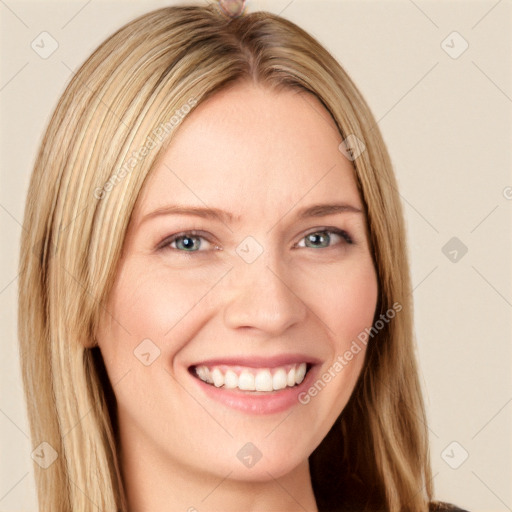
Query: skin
x,y
263,156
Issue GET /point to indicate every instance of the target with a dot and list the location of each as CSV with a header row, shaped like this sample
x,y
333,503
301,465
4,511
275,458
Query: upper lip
x,y
258,361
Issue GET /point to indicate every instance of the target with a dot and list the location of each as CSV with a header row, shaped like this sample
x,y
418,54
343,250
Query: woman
x,y
219,313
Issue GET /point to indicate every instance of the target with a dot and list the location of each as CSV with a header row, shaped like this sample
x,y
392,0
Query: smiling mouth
x,y
252,379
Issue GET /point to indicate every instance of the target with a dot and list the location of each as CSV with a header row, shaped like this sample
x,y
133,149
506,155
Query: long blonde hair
x,y
78,208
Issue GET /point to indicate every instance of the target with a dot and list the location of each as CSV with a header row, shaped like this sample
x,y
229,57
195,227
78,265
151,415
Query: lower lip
x,y
262,403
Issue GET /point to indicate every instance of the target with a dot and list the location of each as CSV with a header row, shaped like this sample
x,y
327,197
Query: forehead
x,y
253,151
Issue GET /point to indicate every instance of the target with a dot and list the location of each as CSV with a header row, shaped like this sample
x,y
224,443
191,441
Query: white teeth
x,y
204,374
249,379
290,379
279,379
246,381
300,373
218,378
231,379
263,381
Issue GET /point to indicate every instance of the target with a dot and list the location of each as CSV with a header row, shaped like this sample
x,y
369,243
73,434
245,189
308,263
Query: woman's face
x,y
245,262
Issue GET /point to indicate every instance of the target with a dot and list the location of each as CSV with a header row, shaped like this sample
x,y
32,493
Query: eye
x,y
322,239
189,241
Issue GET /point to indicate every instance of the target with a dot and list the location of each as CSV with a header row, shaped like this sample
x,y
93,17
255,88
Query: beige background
x,y
447,123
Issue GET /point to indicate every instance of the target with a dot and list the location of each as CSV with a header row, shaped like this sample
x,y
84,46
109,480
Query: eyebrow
x,y
316,210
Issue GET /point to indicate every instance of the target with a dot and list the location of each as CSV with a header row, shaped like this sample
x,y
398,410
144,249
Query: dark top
x,y
438,506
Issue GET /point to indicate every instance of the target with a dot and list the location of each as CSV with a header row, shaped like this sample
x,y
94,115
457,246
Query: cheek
x,y
356,305
151,314
344,297
148,302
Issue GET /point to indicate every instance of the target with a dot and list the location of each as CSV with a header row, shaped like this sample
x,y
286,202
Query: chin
x,y
259,461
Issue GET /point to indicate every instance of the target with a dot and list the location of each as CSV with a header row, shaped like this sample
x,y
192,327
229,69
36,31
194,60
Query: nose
x,y
263,299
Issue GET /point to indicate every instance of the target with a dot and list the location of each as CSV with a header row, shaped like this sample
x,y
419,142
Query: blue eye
x,y
322,239
188,243
185,242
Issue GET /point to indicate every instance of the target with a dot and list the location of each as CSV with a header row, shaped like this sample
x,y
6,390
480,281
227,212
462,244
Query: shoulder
x,y
439,506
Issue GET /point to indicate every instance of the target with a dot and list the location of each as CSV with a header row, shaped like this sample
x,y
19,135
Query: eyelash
x,y
166,243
